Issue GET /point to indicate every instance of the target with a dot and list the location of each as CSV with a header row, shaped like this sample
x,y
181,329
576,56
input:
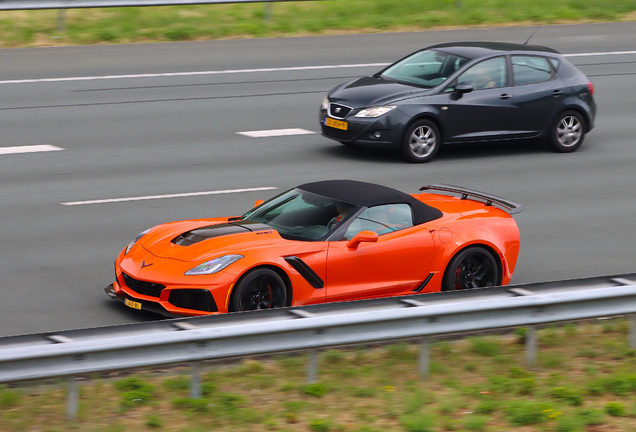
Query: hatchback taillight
x,y
590,87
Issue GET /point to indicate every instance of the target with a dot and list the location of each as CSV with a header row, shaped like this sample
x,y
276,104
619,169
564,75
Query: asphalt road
x,y
156,119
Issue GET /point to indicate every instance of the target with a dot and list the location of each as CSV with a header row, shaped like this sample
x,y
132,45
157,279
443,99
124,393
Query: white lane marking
x,y
275,133
29,149
234,71
176,74
151,197
600,54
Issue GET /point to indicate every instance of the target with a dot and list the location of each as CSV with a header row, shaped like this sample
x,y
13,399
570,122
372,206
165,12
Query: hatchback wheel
x,y
421,142
567,132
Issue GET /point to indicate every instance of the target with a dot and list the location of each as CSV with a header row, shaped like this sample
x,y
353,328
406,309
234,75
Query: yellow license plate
x,y
336,124
132,304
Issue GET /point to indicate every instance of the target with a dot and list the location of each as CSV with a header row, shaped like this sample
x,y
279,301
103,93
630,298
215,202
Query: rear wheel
x,y
568,132
421,142
260,288
474,267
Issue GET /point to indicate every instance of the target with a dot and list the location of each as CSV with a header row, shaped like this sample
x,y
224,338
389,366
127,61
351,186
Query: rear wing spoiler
x,y
510,206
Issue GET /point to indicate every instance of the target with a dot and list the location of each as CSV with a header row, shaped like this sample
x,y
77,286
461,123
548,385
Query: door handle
x,y
505,96
557,92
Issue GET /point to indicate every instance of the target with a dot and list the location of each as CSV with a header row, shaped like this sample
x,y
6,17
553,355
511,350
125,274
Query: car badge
x,y
143,264
337,110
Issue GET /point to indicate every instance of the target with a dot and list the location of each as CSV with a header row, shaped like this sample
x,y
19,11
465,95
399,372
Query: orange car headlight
x,y
213,266
135,240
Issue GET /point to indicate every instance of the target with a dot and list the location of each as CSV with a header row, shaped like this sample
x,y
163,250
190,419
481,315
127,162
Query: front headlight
x,y
213,266
375,111
135,240
325,103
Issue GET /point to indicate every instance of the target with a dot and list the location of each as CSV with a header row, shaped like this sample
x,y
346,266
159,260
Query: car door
x,y
398,262
484,112
538,94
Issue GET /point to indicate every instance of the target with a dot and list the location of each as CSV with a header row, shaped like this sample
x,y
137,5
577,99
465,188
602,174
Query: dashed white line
x,y
29,149
179,195
275,133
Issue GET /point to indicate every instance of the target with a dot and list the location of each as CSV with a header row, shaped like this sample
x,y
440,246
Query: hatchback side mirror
x,y
363,236
462,88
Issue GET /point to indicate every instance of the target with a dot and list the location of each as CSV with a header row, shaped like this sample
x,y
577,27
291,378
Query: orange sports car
x,y
322,242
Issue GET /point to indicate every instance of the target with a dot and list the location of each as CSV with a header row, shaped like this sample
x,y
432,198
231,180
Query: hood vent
x,y
198,235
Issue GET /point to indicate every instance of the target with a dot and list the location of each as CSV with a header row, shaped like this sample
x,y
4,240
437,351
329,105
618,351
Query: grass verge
x,y
208,22
476,384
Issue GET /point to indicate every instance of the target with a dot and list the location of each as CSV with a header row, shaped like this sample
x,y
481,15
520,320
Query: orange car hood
x,y
206,239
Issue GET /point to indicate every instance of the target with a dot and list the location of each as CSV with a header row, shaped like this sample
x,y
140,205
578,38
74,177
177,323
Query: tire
x,y
422,141
567,133
473,267
258,289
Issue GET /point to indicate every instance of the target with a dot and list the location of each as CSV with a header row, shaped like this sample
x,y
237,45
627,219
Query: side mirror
x,y
258,202
462,88
363,236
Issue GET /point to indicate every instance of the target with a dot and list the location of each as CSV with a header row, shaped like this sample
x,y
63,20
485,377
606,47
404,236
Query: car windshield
x,y
427,68
302,215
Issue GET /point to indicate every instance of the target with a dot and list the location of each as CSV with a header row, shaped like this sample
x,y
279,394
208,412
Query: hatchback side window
x,y
487,74
530,69
381,219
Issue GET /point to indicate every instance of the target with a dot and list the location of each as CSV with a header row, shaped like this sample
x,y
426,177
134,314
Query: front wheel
x,y
421,142
568,132
258,289
474,267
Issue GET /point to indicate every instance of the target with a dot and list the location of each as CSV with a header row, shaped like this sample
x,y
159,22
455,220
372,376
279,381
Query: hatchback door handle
x,y
505,96
557,92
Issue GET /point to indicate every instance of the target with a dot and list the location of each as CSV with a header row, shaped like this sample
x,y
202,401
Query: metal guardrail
x,y
77,4
191,340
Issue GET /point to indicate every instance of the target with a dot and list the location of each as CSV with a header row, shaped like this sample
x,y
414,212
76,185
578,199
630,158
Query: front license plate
x,y
336,124
132,304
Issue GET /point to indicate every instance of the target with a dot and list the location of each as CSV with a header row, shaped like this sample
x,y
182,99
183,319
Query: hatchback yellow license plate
x,y
132,304
343,125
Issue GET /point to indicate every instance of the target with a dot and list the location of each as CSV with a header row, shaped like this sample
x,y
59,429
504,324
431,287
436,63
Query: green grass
x,y
209,22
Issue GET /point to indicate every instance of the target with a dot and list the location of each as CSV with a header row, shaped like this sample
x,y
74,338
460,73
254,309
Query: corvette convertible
x,y
326,241
463,92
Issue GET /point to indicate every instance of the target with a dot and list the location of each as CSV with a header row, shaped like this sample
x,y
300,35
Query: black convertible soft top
x,y
371,195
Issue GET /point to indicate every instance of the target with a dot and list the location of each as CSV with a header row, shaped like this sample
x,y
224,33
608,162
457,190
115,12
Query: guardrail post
x,y
425,357
531,346
61,20
73,396
632,331
312,367
195,383
267,11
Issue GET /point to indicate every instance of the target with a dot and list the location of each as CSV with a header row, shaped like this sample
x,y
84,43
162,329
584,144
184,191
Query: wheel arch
x,y
278,270
579,110
499,258
424,116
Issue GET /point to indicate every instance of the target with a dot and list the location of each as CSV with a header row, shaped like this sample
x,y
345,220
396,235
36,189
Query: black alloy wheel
x,y
474,267
259,289
568,132
421,142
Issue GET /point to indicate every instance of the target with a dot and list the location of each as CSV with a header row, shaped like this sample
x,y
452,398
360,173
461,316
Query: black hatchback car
x,y
464,92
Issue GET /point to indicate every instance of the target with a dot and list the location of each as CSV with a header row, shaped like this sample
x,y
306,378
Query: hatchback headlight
x,y
325,103
135,240
375,111
213,266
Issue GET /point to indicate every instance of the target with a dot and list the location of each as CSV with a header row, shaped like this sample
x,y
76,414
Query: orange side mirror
x,y
258,202
363,236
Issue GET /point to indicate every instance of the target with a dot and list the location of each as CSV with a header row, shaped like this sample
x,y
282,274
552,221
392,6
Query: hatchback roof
x,y
473,50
